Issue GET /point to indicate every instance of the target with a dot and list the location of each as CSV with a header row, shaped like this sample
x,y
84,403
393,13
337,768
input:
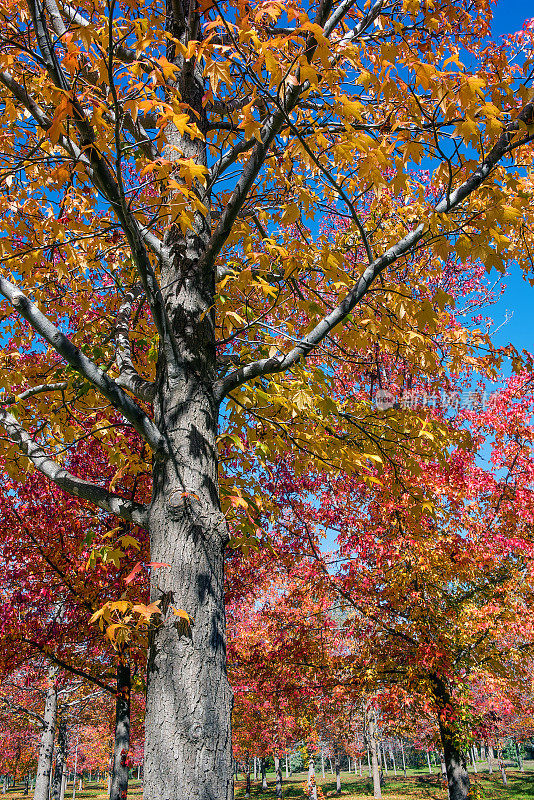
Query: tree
x,y
437,594
151,154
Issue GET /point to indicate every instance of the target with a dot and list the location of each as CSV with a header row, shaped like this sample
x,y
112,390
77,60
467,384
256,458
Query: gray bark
x,y
490,757
403,759
46,747
519,757
189,700
61,760
502,768
373,747
263,764
337,759
119,777
384,761
278,774
392,757
312,783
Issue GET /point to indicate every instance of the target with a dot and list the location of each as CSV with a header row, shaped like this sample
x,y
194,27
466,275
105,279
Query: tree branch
x,y
144,426
139,238
70,668
43,387
271,128
129,378
107,501
269,366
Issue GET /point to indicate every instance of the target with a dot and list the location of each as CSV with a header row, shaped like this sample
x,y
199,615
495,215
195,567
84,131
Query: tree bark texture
x,y
46,747
264,773
189,699
61,760
119,778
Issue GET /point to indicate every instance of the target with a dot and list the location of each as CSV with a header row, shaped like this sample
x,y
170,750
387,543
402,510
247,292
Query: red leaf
x,y
135,572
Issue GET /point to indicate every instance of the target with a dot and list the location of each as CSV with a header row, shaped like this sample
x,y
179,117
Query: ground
x,y
418,786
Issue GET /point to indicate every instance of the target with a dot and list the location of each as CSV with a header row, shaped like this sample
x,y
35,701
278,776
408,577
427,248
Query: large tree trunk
x,y
188,752
61,760
455,763
189,700
119,779
46,747
373,747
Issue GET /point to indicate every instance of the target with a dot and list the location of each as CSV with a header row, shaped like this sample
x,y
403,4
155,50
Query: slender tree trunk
x,y
428,762
373,747
247,787
255,769
369,763
457,774
287,767
403,759
278,775
337,758
502,768
263,773
119,778
46,748
312,783
61,760
392,757
322,762
473,760
491,756
384,762
519,757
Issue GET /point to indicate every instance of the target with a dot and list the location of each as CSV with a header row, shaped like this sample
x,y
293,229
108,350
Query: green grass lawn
x,y
418,786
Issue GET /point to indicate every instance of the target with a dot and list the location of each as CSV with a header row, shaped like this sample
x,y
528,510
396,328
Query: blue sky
x,y
518,300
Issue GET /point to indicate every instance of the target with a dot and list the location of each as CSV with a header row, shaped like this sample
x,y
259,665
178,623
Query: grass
x,y
417,786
